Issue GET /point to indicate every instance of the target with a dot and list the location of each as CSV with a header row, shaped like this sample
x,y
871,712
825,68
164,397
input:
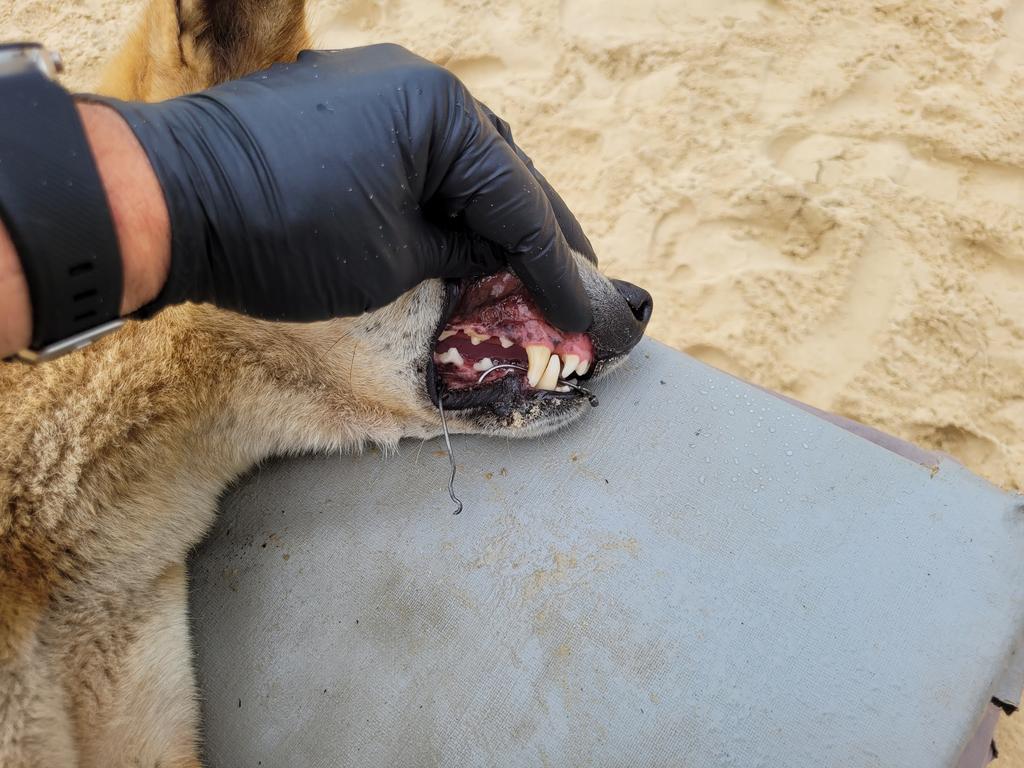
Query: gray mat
x,y
698,574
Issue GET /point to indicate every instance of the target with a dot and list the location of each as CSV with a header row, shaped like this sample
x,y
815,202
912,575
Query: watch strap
x,y
55,209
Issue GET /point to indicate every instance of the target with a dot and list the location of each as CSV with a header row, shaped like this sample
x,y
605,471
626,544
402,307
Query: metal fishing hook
x,y
451,457
493,368
591,397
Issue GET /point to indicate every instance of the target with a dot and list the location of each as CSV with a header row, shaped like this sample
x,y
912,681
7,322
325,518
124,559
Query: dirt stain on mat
x,y
562,563
629,545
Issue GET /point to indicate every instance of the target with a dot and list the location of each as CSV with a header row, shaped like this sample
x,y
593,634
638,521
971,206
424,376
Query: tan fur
x,y
178,47
111,459
110,466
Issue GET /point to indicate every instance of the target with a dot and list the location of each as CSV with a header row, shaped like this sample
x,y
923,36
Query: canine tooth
x,y
483,365
505,342
538,356
446,335
570,365
582,368
550,378
476,339
451,357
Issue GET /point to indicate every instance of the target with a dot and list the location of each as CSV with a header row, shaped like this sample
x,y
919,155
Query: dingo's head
x,y
439,339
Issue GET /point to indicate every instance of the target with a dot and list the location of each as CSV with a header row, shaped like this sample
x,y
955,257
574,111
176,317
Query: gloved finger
x,y
457,252
500,200
571,228
432,251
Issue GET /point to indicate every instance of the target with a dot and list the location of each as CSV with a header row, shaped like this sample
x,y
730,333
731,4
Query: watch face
x,y
17,57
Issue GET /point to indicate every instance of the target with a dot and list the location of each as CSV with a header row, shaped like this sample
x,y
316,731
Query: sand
x,y
826,198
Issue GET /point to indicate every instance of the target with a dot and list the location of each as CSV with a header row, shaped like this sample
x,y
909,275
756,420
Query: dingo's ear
x,y
241,36
186,45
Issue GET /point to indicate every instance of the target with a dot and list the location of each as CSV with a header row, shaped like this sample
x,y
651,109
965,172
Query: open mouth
x,y
497,349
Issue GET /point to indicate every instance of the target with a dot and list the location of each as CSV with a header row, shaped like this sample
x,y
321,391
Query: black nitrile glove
x,y
332,185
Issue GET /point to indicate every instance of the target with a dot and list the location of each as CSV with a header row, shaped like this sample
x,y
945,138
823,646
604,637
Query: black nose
x,y
620,317
639,300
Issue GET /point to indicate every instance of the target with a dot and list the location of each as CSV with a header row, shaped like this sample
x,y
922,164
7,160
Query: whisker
x,y
345,335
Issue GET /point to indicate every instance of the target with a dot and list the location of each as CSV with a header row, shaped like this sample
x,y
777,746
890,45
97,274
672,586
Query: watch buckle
x,y
70,344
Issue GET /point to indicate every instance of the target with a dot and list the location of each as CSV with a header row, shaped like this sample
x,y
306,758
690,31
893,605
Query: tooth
x,y
538,356
451,357
476,339
447,335
483,365
563,389
550,378
570,365
505,342
583,367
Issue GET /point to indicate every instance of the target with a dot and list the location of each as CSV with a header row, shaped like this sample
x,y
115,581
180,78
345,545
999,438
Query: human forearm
x,y
140,219
285,212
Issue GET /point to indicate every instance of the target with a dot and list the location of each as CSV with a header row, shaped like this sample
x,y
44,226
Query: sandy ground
x,y
824,197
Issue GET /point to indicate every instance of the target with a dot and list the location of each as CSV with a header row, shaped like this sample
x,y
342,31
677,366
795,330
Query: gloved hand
x,y
332,185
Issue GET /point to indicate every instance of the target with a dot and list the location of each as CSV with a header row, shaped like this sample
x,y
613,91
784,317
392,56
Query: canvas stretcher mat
x,y
699,573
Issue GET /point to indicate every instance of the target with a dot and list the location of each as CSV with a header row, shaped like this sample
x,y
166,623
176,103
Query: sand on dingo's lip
x,y
824,197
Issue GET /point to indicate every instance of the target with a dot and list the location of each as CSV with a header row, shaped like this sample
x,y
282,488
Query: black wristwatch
x,y
54,207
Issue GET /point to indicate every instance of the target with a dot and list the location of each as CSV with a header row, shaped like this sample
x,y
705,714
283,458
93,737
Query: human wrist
x,y
137,211
136,203
15,306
